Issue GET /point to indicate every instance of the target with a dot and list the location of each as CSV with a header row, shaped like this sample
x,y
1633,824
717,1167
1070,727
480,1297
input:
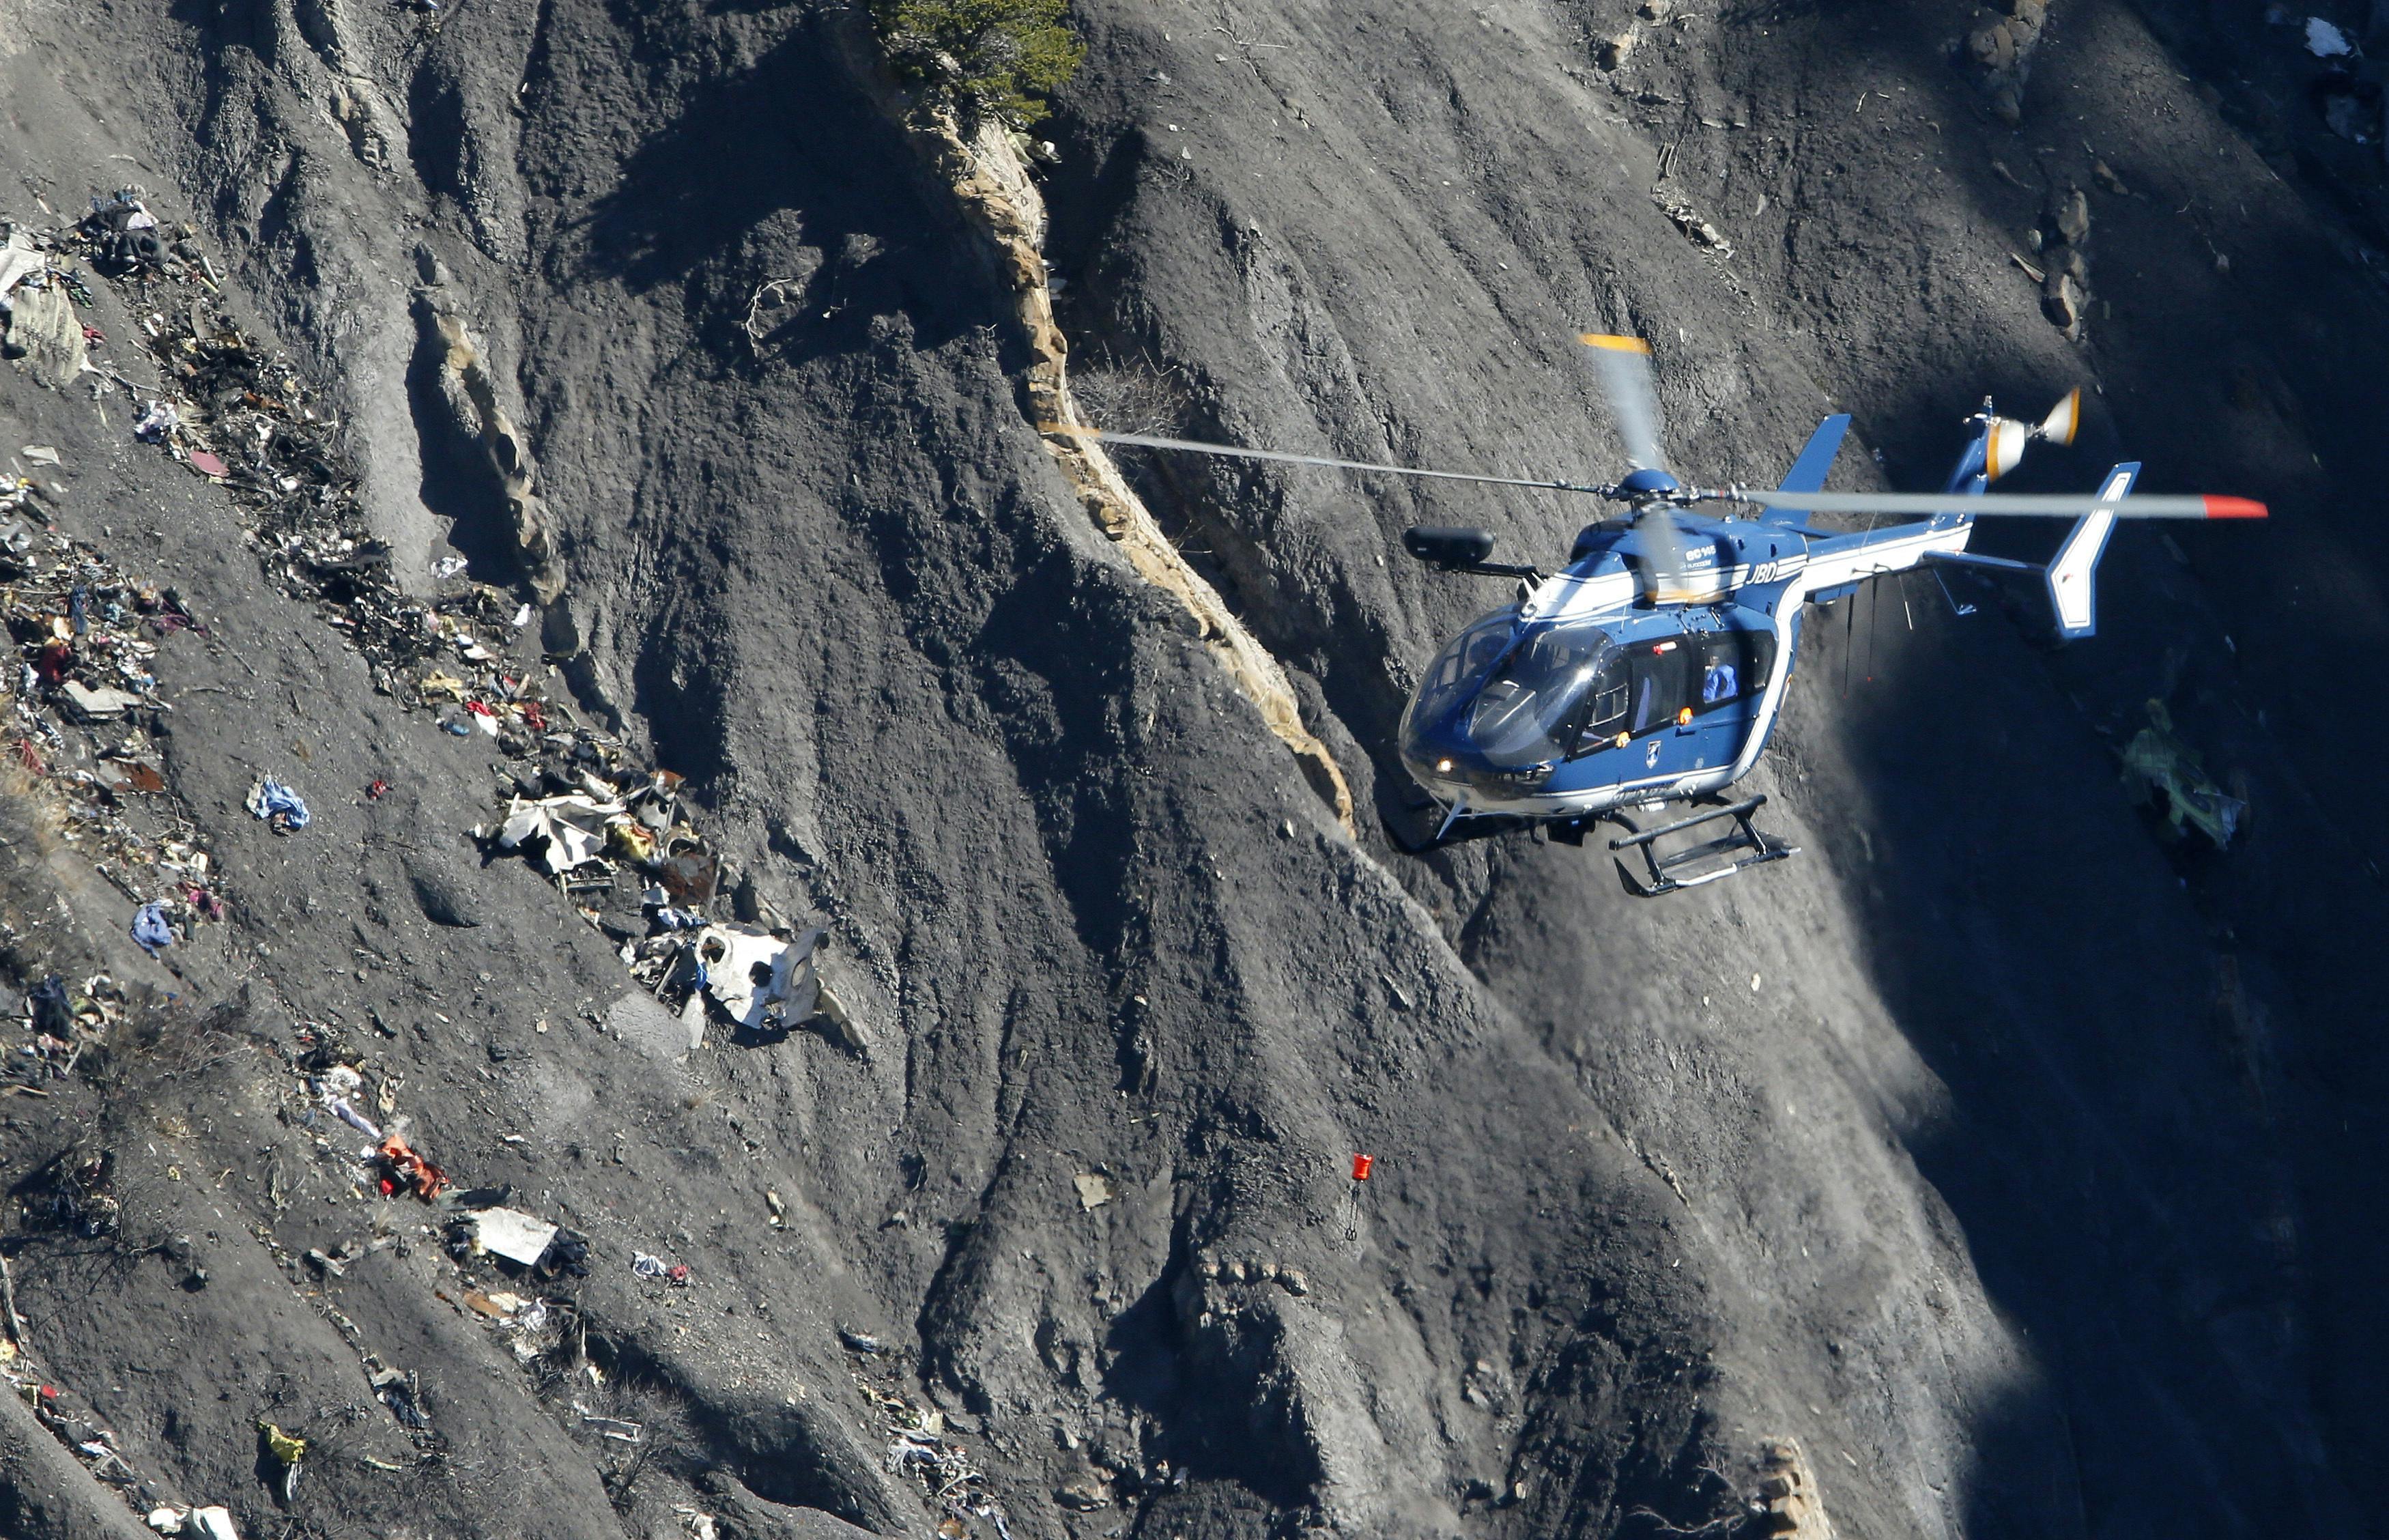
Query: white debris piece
x,y
96,705
342,1108
748,972
912,1447
18,259
1094,1189
617,1428
573,826
2325,41
515,1236
213,1524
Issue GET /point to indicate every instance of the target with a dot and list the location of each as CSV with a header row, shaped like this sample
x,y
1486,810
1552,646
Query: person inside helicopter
x,y
1698,672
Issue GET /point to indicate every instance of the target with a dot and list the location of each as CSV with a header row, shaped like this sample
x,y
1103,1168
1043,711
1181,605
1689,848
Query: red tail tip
x,y
2234,508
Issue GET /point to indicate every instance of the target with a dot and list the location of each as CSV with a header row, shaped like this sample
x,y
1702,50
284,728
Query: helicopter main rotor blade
x,y
1191,446
2058,505
1624,364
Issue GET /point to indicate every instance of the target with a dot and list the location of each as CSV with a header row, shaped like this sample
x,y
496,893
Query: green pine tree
x,y
989,58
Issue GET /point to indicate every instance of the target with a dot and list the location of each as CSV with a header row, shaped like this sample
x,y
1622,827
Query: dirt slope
x,y
2004,1168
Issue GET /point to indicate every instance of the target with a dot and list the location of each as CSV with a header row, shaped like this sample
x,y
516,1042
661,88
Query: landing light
x,y
1443,767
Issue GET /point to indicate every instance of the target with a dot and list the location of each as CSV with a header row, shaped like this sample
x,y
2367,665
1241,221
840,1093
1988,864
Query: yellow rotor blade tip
x,y
1613,344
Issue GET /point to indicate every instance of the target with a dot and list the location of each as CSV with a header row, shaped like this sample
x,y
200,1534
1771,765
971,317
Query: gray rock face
x,y
443,889
1991,1169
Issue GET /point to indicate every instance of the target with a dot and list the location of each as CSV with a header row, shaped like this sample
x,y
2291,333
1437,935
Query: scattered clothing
x,y
157,420
286,1450
346,1111
398,1390
53,1015
151,929
404,1171
675,1273
279,805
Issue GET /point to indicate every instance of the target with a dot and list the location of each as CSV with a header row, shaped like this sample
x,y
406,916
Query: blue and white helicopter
x,y
1649,671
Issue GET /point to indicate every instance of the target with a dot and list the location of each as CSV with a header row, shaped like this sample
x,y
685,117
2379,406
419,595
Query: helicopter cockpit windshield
x,y
1532,710
1524,704
1456,669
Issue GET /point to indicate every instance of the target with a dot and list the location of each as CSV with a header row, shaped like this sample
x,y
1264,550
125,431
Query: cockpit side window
x,y
1732,666
1644,687
1659,684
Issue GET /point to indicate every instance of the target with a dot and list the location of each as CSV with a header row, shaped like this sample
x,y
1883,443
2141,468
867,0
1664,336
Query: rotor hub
x,y
1649,483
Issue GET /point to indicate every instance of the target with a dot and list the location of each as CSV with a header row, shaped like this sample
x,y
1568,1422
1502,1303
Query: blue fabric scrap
x,y
278,804
150,928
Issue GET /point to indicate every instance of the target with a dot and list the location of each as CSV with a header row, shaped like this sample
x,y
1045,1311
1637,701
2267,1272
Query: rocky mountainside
x,y
563,393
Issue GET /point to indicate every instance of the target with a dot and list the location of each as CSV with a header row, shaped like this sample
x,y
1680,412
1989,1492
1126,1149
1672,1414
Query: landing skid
x,y
1745,845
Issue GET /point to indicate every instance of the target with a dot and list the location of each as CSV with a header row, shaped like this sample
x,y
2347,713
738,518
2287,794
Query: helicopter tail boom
x,y
2071,577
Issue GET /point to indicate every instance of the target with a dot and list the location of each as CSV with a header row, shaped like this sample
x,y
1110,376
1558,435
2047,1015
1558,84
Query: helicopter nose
x,y
1436,760
1442,772
1455,765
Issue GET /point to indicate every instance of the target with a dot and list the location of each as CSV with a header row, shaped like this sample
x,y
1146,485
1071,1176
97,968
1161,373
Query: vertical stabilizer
x,y
2072,573
1809,470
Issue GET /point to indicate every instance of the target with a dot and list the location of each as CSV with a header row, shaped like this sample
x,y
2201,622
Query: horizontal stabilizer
x,y
1979,561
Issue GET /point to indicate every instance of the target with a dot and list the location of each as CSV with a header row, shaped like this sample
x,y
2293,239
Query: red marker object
x,y
1360,1164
